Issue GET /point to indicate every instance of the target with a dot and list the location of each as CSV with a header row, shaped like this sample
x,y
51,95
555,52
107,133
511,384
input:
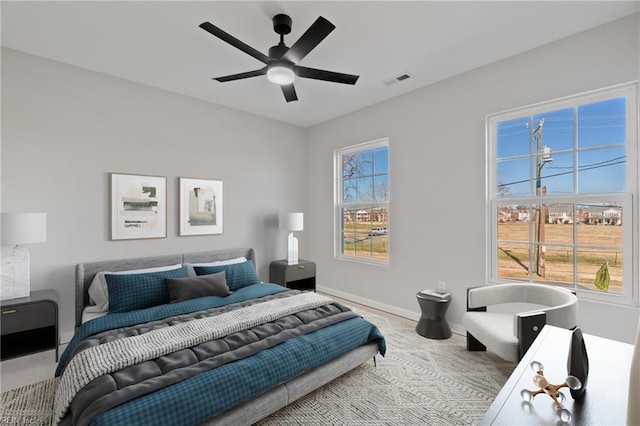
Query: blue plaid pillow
x,y
138,291
238,275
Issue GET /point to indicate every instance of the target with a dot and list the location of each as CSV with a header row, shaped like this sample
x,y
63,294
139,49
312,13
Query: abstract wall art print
x,y
200,206
138,206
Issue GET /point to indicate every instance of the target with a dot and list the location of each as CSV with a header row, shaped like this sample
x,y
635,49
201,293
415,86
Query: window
x,y
362,202
562,188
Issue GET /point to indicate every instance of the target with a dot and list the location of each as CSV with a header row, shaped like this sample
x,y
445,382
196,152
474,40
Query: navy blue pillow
x,y
238,274
129,292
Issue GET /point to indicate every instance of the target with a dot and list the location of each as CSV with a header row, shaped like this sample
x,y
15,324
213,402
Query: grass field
x,y
597,244
357,241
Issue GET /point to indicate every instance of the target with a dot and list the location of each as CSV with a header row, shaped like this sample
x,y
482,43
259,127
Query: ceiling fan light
x,y
280,74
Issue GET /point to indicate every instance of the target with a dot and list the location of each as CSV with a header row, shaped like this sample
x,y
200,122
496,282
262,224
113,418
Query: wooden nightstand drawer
x,y
301,271
27,317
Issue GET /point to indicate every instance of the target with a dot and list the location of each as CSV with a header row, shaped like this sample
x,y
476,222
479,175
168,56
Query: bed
x,y
193,355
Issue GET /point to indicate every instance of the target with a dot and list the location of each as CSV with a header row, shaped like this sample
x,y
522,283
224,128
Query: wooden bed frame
x,y
264,404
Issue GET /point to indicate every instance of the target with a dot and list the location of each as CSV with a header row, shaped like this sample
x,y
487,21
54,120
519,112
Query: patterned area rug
x,y
420,381
29,405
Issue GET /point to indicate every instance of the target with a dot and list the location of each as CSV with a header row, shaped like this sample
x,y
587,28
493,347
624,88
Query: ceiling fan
x,y
282,62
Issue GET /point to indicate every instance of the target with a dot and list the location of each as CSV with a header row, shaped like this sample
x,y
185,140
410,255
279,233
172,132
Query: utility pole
x,y
543,157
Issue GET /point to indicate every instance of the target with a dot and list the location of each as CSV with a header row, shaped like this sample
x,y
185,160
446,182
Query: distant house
x,y
510,214
561,213
505,214
379,214
523,215
583,215
602,215
362,215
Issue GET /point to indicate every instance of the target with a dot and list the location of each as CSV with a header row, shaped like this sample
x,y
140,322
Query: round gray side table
x,y
432,323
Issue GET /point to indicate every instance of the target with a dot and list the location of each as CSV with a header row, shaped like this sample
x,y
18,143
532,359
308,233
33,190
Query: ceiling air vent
x,y
397,79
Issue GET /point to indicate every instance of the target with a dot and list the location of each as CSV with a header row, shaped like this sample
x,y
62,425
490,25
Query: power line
x,y
590,167
521,121
611,121
551,128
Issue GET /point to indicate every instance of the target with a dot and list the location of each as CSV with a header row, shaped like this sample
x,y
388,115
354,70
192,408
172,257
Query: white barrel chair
x,y
509,334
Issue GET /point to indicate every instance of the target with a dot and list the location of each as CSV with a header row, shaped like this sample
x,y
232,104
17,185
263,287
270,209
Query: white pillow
x,y
98,291
192,273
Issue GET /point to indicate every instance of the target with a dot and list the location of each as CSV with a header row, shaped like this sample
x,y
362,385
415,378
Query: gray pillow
x,y
191,287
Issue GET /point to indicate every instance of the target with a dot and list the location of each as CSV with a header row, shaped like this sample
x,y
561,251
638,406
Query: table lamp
x,y
20,228
292,222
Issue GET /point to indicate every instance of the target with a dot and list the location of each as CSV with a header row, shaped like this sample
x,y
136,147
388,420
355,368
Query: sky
x,y
371,180
600,144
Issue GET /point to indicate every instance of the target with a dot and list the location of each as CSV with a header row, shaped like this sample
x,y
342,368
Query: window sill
x,y
363,260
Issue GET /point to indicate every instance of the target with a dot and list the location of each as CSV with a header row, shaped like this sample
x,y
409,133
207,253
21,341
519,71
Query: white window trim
x,y
337,217
630,296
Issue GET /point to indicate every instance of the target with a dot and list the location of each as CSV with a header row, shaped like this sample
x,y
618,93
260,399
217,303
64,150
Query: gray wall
x,y
437,152
64,129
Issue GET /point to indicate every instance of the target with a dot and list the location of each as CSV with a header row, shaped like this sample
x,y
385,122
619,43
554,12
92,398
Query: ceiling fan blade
x,y
232,77
289,92
310,39
317,74
224,36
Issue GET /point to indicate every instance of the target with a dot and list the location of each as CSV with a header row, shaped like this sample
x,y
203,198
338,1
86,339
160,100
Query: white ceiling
x,y
159,44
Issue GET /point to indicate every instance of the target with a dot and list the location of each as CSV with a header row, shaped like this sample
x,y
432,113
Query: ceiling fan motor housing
x,y
276,52
282,24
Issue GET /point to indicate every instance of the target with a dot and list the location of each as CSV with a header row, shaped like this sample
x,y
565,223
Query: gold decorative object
x,y
539,380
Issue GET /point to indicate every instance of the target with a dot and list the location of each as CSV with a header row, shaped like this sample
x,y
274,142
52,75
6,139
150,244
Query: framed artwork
x,y
200,206
138,206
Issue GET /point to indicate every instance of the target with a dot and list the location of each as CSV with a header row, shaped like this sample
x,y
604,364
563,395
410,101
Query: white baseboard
x,y
458,329
405,313
415,316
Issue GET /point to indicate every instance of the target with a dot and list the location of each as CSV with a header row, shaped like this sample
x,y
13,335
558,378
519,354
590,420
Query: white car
x,y
377,231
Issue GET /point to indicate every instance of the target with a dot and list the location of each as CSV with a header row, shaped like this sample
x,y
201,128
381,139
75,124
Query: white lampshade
x,y
24,228
292,222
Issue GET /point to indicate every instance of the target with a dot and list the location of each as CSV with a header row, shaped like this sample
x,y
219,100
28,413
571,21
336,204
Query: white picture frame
x,y
138,206
201,206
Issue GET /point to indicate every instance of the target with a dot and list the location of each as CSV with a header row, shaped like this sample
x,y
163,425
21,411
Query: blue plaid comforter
x,y
217,390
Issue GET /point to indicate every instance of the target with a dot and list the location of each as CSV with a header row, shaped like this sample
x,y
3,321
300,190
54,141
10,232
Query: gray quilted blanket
x,y
119,365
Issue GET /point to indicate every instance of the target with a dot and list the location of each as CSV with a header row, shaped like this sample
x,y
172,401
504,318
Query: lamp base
x,y
15,280
292,249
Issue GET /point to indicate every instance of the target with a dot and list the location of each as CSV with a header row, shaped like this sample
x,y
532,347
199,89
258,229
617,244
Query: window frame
x,y
628,198
339,205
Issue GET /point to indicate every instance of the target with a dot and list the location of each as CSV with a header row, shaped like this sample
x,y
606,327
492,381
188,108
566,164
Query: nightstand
x,y
300,276
29,324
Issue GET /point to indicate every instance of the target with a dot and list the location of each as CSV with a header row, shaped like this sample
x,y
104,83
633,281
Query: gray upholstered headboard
x,y
85,272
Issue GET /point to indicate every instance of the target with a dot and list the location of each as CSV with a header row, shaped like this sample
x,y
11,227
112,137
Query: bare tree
x,y
352,168
382,192
503,190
